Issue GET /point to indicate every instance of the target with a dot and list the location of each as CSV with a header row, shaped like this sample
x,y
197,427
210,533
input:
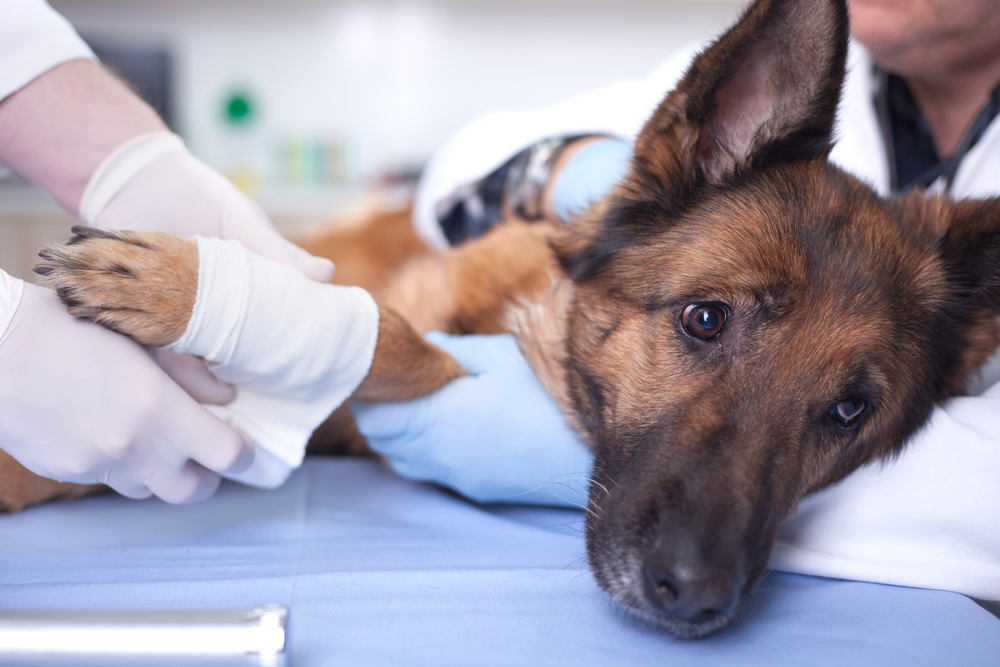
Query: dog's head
x,y
750,323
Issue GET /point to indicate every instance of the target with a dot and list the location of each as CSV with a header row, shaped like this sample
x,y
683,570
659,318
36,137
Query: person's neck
x,y
951,103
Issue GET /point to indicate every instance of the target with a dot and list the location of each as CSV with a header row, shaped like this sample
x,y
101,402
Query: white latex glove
x,y
82,404
153,182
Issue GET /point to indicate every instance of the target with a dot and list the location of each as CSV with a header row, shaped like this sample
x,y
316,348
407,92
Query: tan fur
x,y
540,329
369,248
501,282
405,365
468,289
20,488
142,284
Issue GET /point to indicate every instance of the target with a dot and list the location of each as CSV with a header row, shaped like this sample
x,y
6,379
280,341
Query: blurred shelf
x,y
21,198
30,218
17,196
243,3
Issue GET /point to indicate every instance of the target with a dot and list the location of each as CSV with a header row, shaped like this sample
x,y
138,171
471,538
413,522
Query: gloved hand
x,y
588,176
494,436
583,170
83,404
153,182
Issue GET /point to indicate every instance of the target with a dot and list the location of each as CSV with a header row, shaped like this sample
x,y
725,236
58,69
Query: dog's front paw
x,y
141,284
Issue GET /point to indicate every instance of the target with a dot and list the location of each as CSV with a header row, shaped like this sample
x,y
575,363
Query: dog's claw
x,y
92,232
85,311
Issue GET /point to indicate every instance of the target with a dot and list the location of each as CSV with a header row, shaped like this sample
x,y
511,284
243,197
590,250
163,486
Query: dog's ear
x,y
970,252
764,92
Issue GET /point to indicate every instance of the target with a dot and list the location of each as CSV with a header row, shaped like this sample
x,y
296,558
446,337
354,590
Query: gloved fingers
x,y
478,353
199,435
123,485
384,421
319,269
188,484
251,227
405,467
589,176
266,242
179,193
229,453
193,376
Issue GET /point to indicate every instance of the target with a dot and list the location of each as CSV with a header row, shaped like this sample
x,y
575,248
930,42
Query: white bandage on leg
x,y
295,349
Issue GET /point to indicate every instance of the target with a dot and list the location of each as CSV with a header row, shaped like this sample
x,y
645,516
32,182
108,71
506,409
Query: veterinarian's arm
x,y
468,158
495,436
929,519
585,173
107,411
79,403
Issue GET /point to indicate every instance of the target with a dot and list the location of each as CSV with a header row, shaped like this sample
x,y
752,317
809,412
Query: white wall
x,y
390,80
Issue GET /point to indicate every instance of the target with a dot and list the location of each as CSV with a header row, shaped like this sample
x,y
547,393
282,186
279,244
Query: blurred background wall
x,y
307,103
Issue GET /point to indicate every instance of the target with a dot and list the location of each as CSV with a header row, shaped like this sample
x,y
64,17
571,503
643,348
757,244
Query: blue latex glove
x,y
590,175
494,436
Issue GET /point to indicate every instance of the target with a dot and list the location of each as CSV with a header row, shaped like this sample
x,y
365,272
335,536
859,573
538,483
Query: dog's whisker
x,y
603,488
565,500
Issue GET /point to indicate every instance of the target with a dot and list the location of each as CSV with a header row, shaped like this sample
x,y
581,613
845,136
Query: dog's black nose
x,y
692,591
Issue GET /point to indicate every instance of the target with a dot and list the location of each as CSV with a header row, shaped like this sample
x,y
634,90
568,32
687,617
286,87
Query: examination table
x,y
377,570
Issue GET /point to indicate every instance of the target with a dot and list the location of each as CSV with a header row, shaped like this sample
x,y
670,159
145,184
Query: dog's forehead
x,y
841,247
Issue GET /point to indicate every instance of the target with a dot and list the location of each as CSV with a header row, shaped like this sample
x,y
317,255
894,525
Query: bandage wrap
x,y
294,348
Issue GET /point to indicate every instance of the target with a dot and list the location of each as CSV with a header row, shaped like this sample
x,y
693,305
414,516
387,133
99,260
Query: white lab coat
x,y
33,40
930,519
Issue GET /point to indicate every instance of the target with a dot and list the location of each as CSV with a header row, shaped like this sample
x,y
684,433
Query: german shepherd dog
x,y
737,324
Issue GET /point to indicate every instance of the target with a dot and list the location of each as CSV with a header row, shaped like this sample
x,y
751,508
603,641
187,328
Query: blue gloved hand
x,y
589,175
494,436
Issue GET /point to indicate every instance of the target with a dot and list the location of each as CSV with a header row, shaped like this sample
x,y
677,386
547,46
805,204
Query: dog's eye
x,y
847,413
704,320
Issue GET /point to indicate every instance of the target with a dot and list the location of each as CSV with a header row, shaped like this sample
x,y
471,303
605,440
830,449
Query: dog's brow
x,y
769,300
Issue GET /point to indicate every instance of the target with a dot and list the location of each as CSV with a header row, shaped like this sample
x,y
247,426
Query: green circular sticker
x,y
239,108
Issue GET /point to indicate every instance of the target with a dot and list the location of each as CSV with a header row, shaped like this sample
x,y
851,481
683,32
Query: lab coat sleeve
x,y
11,290
34,39
929,519
618,110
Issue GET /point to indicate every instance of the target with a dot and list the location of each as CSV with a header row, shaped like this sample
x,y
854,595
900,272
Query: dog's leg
x,y
20,488
145,285
368,249
405,366
469,289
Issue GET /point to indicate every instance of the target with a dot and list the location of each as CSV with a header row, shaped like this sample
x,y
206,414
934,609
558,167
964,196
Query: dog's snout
x,y
694,592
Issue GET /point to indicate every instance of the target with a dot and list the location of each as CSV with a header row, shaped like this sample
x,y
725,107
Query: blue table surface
x,y
381,571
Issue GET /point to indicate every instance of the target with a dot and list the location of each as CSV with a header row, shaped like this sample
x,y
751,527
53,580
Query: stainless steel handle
x,y
175,632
